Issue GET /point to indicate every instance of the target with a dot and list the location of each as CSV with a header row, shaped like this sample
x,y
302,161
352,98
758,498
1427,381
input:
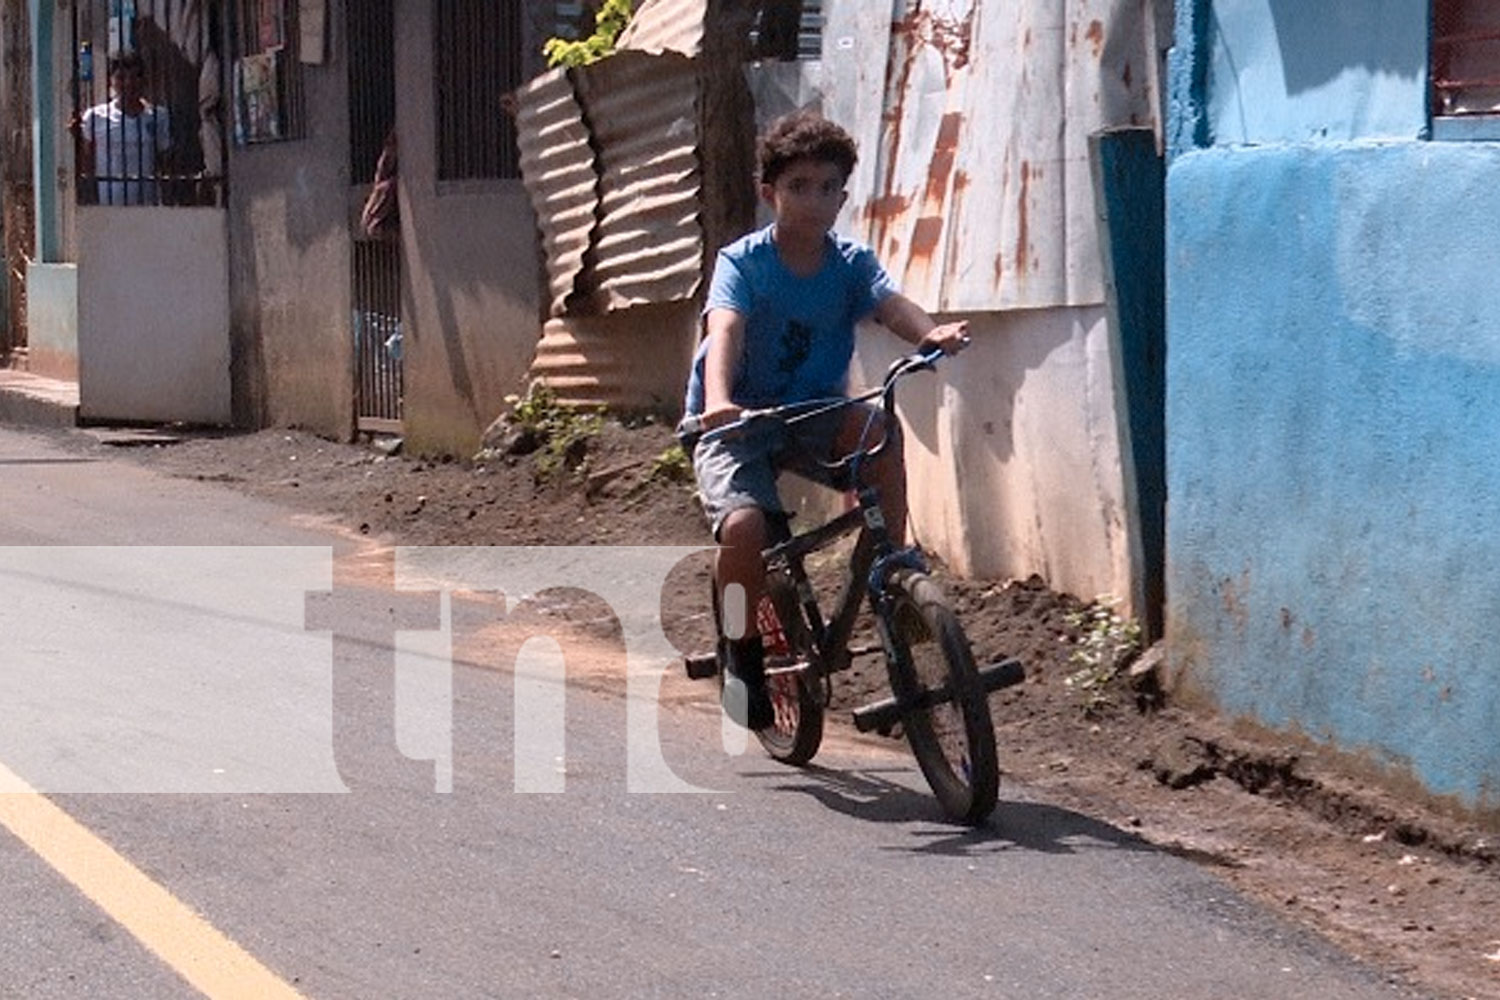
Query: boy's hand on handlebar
x,y
950,338
718,416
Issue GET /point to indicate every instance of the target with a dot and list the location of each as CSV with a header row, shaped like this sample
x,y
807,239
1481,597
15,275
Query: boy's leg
x,y
739,572
740,575
737,483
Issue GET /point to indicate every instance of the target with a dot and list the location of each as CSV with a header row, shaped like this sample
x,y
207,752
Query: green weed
x,y
609,21
1106,643
673,466
562,433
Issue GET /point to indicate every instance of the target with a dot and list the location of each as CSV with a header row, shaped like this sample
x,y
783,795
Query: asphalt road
x,y
268,825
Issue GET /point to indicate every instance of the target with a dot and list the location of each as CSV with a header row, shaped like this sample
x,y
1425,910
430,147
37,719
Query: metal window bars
x,y
372,83
1465,58
376,276
266,76
478,62
787,30
146,119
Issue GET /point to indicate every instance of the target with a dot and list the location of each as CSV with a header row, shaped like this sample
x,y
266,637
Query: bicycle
x,y
939,696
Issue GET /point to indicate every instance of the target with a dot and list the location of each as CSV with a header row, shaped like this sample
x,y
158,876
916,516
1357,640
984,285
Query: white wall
x,y
153,314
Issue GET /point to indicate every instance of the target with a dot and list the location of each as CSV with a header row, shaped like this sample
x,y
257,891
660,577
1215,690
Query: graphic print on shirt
x,y
796,345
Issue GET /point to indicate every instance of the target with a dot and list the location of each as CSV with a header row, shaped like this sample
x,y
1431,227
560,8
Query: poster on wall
x,y
257,92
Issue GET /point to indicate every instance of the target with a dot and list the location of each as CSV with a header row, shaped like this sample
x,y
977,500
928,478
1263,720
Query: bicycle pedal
x,y
777,668
881,717
1006,673
701,667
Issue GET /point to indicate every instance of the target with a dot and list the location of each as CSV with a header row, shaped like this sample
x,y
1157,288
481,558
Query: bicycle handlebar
x,y
793,413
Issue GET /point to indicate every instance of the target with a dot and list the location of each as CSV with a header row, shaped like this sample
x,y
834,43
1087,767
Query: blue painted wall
x,y
1299,70
1333,416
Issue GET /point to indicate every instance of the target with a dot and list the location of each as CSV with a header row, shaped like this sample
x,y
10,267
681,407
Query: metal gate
x,y
145,83
376,278
377,335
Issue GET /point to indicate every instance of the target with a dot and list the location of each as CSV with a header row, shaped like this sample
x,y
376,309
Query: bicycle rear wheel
x,y
797,733
950,728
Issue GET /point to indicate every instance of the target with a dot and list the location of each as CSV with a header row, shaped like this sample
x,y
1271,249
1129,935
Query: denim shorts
x,y
737,471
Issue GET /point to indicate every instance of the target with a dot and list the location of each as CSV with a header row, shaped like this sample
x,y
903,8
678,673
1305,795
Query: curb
x,y
34,401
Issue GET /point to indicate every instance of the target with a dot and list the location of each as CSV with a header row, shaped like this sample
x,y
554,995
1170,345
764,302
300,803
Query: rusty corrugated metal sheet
x,y
609,155
665,26
642,110
629,360
558,165
975,185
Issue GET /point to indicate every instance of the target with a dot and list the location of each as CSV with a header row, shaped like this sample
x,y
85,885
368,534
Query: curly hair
x,y
804,135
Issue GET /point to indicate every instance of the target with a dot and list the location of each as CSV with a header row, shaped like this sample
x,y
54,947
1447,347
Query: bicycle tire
x,y
798,731
953,741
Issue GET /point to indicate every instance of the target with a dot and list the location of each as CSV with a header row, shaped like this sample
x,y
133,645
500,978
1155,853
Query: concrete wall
x,y
290,264
471,278
1333,362
472,274
1291,71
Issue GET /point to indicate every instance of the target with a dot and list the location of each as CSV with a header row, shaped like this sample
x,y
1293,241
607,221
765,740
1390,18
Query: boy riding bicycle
x,y
779,326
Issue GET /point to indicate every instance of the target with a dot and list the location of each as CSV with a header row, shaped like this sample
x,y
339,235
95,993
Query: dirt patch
x,y
1414,891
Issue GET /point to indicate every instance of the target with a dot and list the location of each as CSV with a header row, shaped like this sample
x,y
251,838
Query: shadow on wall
x,y
988,377
1318,41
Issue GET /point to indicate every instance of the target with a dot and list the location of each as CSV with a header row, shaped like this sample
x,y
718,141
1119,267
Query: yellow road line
x,y
190,945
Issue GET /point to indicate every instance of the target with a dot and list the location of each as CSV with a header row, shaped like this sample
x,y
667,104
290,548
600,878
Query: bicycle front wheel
x,y
797,733
949,725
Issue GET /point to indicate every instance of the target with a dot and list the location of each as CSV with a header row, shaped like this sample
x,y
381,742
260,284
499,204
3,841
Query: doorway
x,y
376,260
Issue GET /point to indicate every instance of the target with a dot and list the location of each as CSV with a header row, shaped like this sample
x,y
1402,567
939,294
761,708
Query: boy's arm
x,y
911,323
726,347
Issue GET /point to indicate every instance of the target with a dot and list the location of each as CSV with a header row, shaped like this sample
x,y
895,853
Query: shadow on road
x,y
1033,826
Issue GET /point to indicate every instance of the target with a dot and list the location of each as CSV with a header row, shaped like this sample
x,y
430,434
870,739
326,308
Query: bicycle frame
x,y
938,697
875,555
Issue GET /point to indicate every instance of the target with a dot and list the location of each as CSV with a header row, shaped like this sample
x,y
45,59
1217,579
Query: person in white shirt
x,y
124,138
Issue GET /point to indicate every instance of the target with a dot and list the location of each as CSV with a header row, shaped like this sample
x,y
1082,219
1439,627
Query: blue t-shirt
x,y
799,332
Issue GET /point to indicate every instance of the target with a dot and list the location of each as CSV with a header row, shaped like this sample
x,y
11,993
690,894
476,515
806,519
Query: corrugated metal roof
x,y
558,165
974,184
665,26
643,112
